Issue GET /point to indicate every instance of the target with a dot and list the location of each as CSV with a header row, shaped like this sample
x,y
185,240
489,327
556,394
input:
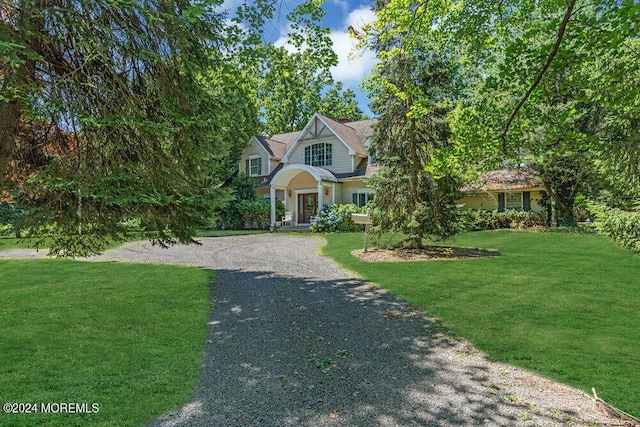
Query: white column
x,y
320,196
273,205
333,193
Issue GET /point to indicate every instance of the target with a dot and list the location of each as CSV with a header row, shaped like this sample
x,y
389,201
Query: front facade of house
x,y
323,164
504,189
327,163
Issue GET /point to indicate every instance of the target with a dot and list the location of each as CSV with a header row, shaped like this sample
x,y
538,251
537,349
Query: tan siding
x,y
341,160
350,187
489,201
274,164
486,201
535,198
254,149
303,180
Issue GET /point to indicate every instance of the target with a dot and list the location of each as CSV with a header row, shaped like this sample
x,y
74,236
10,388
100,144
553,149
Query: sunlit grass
x,y
563,305
128,337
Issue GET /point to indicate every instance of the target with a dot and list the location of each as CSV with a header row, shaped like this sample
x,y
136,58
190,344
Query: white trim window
x,y
513,201
518,200
361,198
319,154
254,166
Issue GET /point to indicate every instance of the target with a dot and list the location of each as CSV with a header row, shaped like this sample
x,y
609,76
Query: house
x,y
327,162
503,189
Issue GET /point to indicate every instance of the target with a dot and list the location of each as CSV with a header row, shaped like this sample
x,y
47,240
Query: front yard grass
x,y
566,306
128,337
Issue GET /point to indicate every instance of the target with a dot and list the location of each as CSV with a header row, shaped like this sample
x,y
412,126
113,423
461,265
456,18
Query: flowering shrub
x,y
337,218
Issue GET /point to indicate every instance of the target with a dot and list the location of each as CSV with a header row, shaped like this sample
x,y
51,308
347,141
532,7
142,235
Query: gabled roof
x,y
285,138
348,134
353,134
506,179
275,149
363,170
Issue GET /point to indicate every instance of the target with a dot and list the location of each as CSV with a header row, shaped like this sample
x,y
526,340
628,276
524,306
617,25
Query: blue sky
x,y
352,69
340,14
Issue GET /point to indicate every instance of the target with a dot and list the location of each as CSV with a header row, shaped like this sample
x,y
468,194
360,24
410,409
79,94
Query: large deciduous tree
x,y
551,83
292,86
142,114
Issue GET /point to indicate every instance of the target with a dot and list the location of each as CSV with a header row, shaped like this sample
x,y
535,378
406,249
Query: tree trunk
x,y
16,83
565,214
414,202
9,121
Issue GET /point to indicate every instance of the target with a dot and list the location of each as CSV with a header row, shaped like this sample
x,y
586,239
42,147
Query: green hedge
x,y
620,225
10,214
476,220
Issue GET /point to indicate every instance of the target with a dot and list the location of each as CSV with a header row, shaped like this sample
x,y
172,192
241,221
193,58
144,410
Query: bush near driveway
x,y
337,218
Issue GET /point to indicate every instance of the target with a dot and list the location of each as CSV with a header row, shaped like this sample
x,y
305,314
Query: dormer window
x,y
254,166
318,154
372,159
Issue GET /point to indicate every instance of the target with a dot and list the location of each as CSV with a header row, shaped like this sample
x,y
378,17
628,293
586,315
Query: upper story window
x,y
254,166
318,154
372,159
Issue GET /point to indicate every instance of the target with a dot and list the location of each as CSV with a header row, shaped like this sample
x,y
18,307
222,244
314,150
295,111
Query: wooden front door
x,y
307,207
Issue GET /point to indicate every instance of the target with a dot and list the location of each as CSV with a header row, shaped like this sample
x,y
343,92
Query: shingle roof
x,y
505,179
286,138
354,139
275,148
354,134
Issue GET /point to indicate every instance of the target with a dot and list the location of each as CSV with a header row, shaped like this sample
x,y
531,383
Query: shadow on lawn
x,y
286,351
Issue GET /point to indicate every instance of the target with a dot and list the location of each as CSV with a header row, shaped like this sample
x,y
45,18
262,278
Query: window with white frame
x,y
254,166
318,154
513,201
362,198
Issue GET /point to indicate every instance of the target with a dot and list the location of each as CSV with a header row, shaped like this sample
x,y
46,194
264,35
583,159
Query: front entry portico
x,y
306,188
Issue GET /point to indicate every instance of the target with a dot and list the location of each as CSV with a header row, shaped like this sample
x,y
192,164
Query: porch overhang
x,y
282,179
287,173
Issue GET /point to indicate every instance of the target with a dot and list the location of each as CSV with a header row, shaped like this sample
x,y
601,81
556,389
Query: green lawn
x,y
7,242
128,337
564,305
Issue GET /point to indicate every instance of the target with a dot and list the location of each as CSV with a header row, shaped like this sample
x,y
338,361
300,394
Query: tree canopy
x,y
292,86
113,113
140,110
550,84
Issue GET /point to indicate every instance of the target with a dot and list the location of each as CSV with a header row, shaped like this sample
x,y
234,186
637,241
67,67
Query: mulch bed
x,y
428,253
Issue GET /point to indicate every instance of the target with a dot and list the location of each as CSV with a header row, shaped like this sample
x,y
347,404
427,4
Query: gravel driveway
x,y
294,340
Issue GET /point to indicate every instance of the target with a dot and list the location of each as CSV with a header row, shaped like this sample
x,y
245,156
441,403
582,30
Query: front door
x,y
307,207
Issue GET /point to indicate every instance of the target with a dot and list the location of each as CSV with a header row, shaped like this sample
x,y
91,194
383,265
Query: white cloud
x,y
360,16
353,66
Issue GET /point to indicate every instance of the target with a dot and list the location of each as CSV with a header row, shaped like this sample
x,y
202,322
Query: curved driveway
x,y
294,340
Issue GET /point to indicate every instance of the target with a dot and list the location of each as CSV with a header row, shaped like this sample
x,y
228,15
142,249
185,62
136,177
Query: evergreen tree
x,y
142,112
416,195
